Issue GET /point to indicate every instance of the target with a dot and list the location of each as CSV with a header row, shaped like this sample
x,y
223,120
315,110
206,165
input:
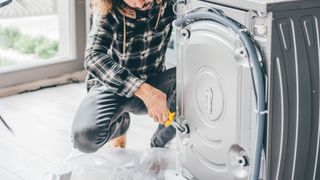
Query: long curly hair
x,y
103,6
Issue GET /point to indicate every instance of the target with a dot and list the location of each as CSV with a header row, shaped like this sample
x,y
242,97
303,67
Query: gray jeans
x,y
103,115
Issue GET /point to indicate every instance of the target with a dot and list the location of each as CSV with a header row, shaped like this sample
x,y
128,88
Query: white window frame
x,y
71,20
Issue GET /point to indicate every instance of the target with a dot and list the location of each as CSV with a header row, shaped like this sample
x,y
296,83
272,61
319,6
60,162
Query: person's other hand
x,y
155,101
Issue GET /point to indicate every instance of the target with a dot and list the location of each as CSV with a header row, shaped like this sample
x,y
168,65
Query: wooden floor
x,y
41,121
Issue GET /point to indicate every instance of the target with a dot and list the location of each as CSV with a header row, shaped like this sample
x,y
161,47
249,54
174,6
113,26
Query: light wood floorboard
x,y
42,123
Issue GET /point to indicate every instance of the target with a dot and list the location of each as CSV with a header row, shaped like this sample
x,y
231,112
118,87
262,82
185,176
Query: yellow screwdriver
x,y
170,119
175,124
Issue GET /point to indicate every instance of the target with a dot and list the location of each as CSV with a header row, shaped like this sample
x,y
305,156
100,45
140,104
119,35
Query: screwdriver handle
x,y
170,118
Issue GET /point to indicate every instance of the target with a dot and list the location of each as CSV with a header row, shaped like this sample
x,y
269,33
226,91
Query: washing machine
x,y
248,89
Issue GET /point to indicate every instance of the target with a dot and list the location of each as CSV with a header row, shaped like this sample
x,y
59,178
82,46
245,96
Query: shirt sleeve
x,y
102,66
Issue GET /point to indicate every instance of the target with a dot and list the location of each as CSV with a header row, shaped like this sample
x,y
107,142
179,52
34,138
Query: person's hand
x,y
155,101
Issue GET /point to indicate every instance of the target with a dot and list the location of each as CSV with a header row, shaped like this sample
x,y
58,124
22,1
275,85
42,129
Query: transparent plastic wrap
x,y
151,165
117,164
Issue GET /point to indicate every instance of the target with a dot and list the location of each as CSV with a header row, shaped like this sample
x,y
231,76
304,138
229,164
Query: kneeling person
x,y
125,60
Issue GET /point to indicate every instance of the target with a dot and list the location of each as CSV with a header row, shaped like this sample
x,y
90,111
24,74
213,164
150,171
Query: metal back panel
x,y
215,97
291,43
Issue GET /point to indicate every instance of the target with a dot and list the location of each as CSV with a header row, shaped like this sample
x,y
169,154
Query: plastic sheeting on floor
x,y
118,164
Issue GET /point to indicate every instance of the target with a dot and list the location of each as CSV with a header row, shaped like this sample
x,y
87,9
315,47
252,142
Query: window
x,y
41,39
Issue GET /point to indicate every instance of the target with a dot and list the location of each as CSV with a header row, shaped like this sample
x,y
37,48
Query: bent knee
x,y
85,140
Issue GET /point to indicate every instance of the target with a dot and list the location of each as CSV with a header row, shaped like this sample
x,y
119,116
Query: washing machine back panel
x,y
208,70
294,129
217,91
216,98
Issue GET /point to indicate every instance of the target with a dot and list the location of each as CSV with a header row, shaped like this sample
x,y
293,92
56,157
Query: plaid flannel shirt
x,y
122,68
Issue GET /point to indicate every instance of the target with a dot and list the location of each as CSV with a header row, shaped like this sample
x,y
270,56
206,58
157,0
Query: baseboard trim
x,y
75,77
